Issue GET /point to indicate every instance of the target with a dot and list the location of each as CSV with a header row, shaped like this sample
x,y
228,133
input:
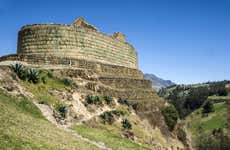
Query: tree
x,y
208,107
171,116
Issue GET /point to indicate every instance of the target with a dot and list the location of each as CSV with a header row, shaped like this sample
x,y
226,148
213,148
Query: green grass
x,y
40,90
219,97
105,136
22,126
197,123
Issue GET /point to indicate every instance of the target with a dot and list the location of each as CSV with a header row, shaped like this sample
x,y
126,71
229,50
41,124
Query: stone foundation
x,y
100,68
126,83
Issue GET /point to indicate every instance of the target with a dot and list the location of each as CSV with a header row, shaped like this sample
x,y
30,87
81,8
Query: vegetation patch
x,y
207,107
107,117
109,100
19,70
197,123
188,98
41,89
126,124
33,75
217,140
99,100
171,116
123,101
22,126
96,100
110,139
62,110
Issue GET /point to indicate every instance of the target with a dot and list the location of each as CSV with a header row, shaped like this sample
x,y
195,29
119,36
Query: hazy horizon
x,y
183,41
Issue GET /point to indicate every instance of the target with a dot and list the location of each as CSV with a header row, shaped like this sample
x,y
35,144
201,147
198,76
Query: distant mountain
x,y
157,82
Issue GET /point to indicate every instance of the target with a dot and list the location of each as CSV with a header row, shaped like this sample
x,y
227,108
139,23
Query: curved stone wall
x,y
67,41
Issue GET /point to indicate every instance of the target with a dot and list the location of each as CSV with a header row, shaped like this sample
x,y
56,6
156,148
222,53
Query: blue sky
x,y
186,41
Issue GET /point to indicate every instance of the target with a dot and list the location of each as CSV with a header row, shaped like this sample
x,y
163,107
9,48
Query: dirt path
x,y
80,109
48,114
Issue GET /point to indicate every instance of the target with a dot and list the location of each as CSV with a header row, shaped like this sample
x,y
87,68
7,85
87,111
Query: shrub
x,y
208,107
181,135
118,112
123,101
171,116
62,110
67,82
50,74
107,117
19,69
217,141
108,100
44,80
33,75
126,124
96,100
90,99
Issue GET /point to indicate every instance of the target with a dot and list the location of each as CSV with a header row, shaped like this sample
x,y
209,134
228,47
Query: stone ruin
x,y
81,46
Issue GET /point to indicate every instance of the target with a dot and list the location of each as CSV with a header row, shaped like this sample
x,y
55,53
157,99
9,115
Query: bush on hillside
x,y
126,124
217,140
107,117
20,71
96,100
208,107
68,82
181,135
108,100
62,110
44,81
171,116
123,101
33,75
50,74
118,112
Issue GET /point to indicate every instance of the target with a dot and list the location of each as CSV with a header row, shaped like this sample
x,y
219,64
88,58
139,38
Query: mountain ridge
x,y
157,82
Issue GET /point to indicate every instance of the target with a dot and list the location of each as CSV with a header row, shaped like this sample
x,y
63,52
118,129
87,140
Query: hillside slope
x,y
203,127
72,104
22,126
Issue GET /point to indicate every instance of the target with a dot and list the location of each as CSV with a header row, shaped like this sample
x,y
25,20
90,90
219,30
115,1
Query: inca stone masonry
x,y
79,41
81,46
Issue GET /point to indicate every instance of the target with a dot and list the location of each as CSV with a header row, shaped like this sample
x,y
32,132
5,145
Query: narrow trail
x,y
81,109
48,114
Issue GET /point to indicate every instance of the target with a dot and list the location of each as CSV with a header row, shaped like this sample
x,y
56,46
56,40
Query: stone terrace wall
x,y
67,41
100,68
127,83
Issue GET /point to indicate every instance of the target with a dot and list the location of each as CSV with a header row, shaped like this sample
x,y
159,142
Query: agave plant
x,y
19,69
33,75
126,124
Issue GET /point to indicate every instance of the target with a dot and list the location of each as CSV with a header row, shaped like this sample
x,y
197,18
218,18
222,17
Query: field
x,y
197,123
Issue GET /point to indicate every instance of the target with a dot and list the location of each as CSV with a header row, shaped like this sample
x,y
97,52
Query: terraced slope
x,y
62,87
